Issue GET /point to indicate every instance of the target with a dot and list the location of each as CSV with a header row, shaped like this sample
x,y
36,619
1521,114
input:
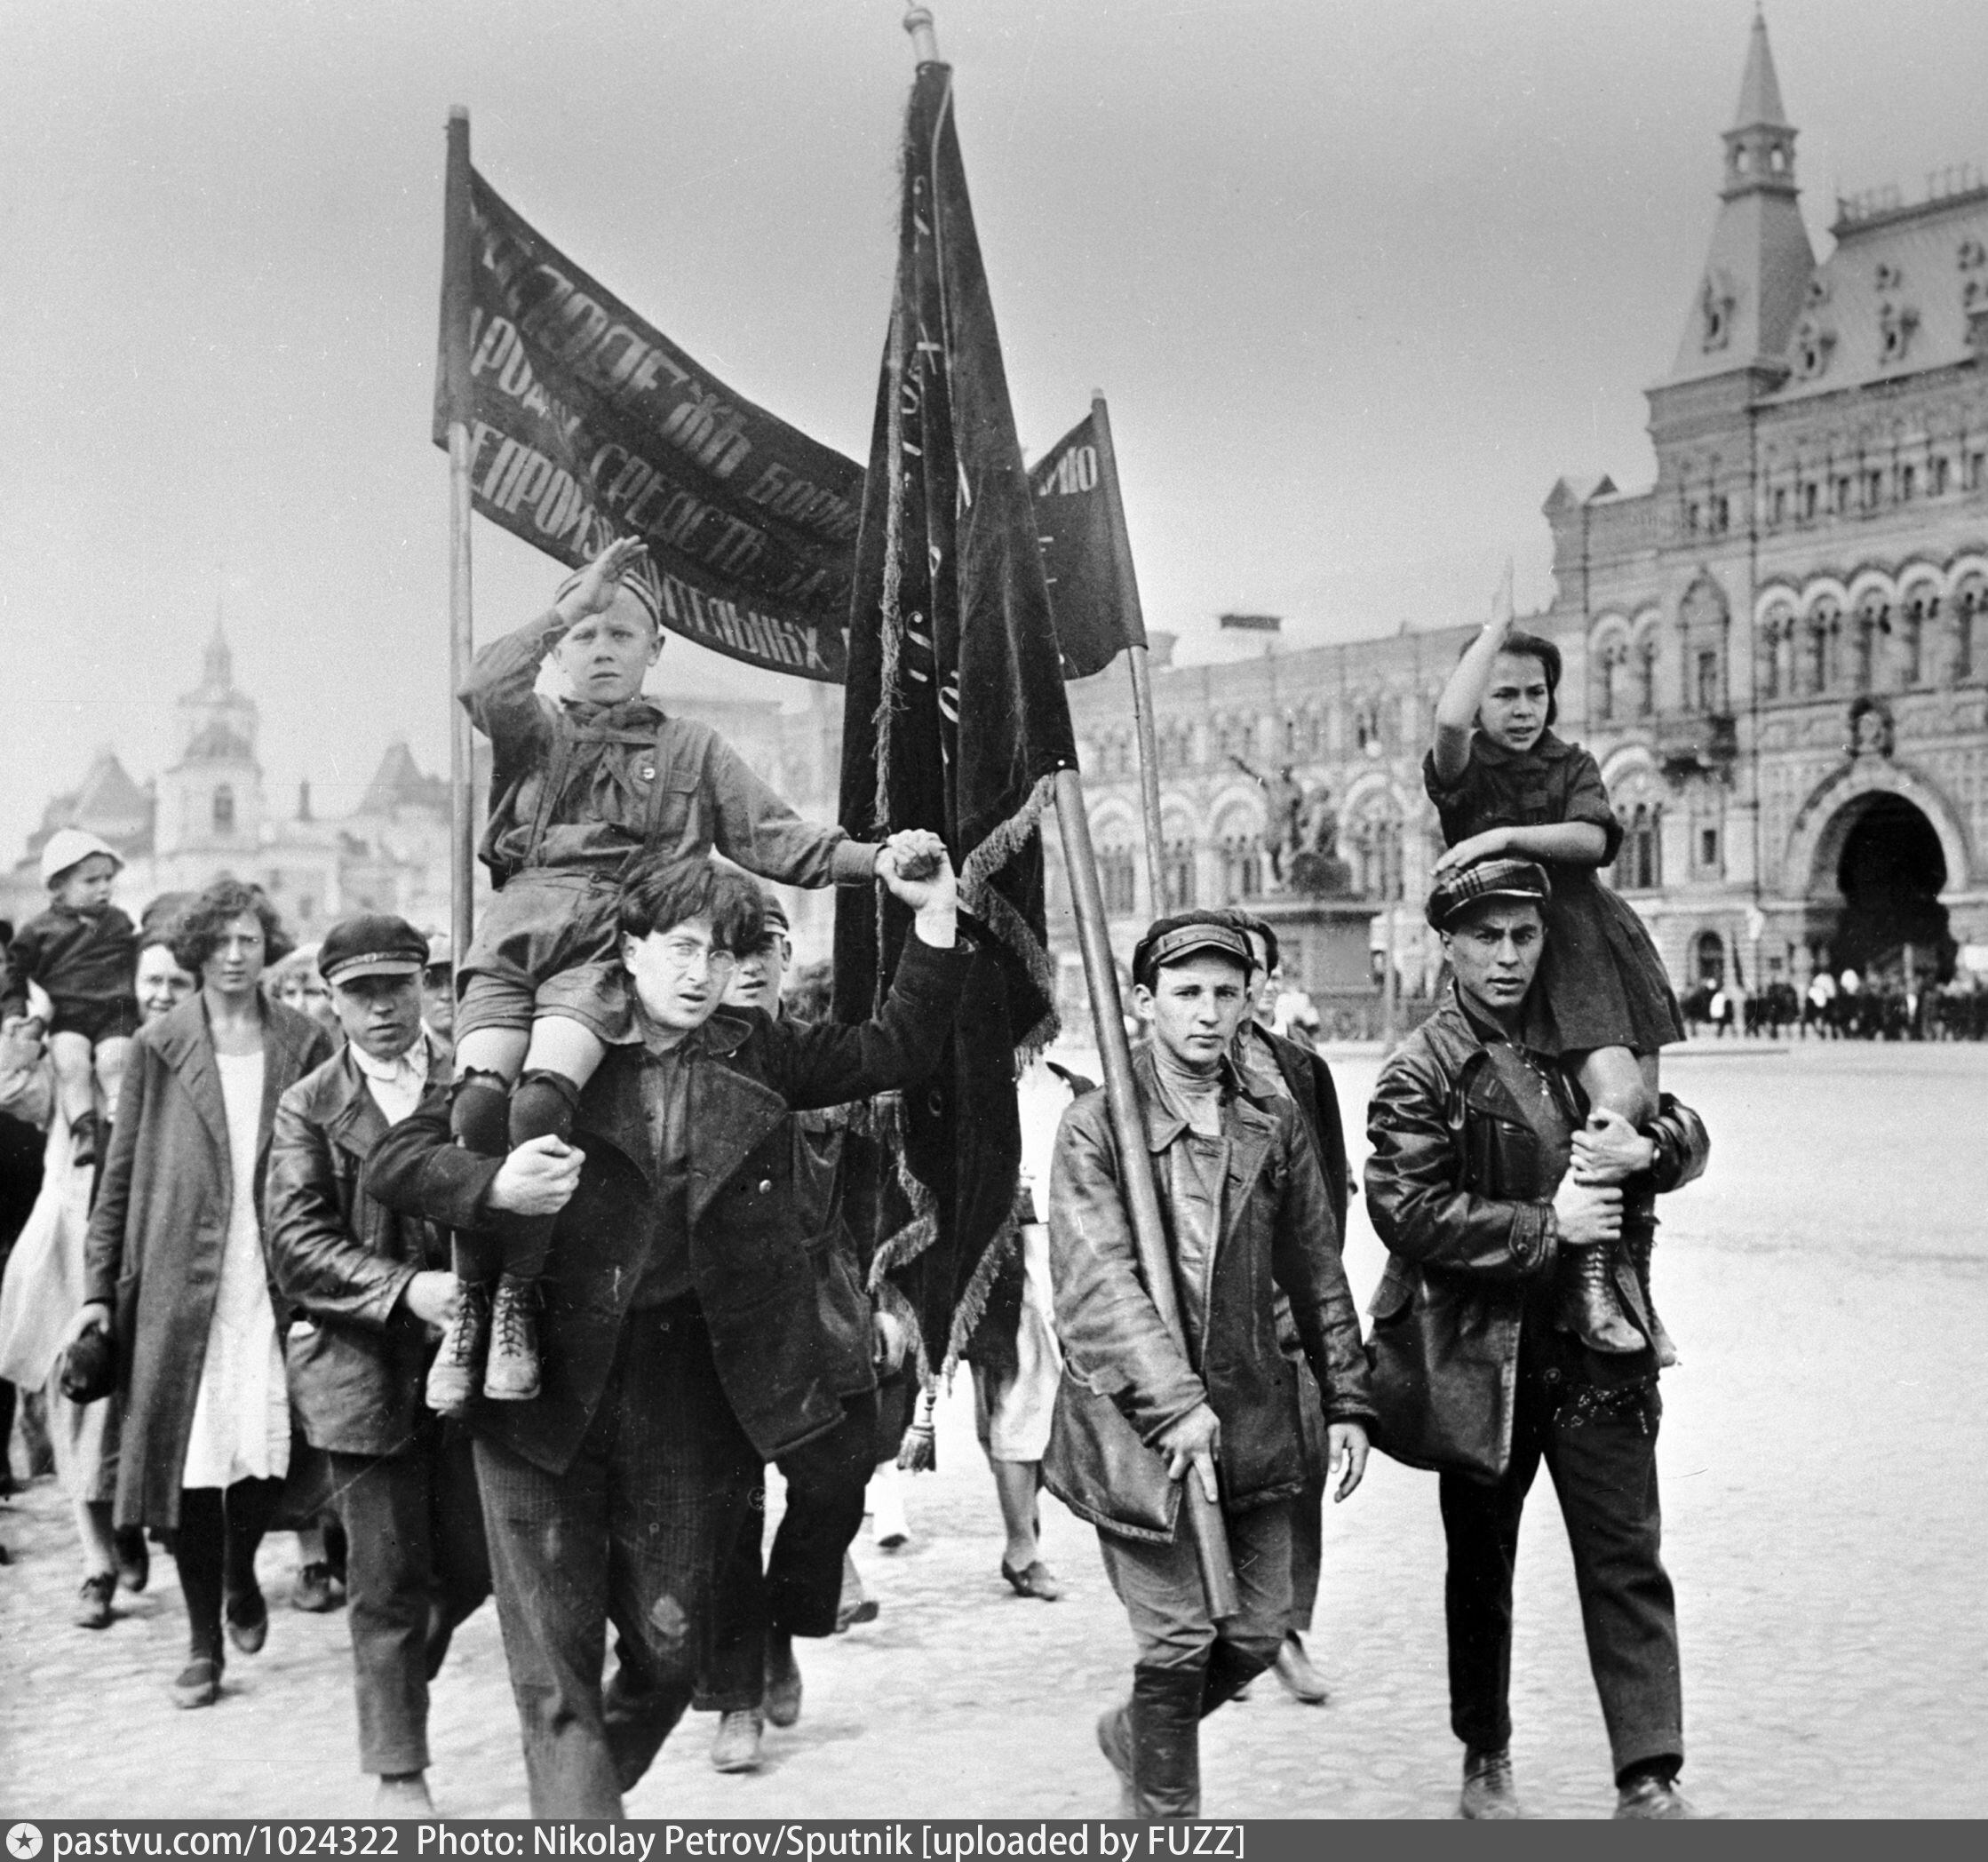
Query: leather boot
x,y
458,1364
511,1373
1639,1242
1586,1304
1164,1722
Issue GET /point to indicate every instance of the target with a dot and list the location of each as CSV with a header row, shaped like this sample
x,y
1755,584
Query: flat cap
x,y
1497,877
373,943
1173,940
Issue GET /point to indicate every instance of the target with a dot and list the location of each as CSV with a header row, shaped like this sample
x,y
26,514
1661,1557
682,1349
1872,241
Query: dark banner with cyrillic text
x,y
585,424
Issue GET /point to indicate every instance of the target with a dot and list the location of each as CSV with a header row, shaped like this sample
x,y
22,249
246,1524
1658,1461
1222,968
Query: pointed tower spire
x,y
1760,145
217,664
1758,268
1760,91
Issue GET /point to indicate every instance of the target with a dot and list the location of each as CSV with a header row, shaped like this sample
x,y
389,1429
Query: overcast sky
x,y
1360,283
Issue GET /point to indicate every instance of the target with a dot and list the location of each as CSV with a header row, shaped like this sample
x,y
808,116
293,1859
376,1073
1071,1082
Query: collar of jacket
x,y
1550,748
347,1105
184,1040
731,1111
1164,1125
1456,1039
722,1034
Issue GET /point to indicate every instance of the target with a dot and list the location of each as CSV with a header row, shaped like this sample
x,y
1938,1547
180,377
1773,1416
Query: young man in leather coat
x,y
1247,1215
1483,1173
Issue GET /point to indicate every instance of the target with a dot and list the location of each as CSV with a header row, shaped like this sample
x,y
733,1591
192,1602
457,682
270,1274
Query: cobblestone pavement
x,y
1826,1505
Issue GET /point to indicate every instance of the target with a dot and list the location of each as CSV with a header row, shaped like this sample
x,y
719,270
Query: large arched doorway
x,y
1890,871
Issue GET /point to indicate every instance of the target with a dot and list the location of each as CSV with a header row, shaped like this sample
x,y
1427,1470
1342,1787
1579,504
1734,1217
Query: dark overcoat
x,y
358,1364
789,1324
157,1233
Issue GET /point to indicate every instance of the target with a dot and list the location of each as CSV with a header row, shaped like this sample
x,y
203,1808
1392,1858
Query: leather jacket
x,y
343,1262
1124,1381
789,1327
1459,1188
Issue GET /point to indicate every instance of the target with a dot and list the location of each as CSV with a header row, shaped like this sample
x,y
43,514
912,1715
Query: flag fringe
x,y
973,1302
890,627
999,845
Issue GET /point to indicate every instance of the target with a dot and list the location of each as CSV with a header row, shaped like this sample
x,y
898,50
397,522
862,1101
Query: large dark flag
x,y
955,720
587,424
1080,527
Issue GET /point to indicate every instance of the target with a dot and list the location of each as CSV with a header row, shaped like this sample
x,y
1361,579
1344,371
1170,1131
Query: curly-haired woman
x,y
175,1269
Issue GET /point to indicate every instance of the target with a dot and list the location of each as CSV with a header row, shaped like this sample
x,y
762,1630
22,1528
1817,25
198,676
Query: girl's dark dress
x,y
1601,981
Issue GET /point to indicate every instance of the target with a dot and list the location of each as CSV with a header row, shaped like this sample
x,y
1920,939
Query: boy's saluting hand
x,y
594,592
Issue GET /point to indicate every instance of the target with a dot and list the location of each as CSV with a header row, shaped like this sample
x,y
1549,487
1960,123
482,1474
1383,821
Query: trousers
x,y
1600,1449
632,1534
417,1565
1160,1587
797,1589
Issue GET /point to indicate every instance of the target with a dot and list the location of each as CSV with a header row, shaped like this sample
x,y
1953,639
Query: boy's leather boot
x,y
1587,1305
511,1373
458,1363
1639,1242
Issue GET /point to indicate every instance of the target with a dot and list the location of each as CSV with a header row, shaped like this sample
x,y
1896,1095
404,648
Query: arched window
x,y
1240,845
1640,865
1772,668
1645,673
1968,602
1608,678
1918,614
1639,804
1818,649
1374,850
1117,867
1708,958
1177,865
224,809
1874,621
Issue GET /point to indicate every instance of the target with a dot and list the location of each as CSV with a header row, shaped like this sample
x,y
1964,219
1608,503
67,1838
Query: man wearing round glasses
x,y
686,1339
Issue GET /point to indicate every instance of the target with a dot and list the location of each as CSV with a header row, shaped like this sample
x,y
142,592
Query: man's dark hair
x,y
657,895
1255,927
194,932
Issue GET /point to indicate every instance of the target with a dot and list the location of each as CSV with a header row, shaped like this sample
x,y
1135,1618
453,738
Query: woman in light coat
x,y
175,1269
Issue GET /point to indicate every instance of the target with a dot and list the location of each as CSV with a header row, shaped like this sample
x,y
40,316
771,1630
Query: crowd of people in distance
x,y
508,1273
1842,1006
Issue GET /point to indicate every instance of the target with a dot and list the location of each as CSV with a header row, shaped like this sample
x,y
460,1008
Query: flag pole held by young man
x,y
1128,1129
1030,641
452,403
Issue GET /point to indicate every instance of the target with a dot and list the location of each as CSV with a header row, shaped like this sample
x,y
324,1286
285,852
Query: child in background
x,y
84,952
576,789
1504,783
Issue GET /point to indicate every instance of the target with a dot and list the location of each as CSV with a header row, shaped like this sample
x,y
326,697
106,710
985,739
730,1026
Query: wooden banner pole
x,y
456,259
1128,1129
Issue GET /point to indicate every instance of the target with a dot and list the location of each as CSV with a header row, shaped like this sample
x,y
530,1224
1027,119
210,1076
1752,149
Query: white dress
x,y
241,1428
